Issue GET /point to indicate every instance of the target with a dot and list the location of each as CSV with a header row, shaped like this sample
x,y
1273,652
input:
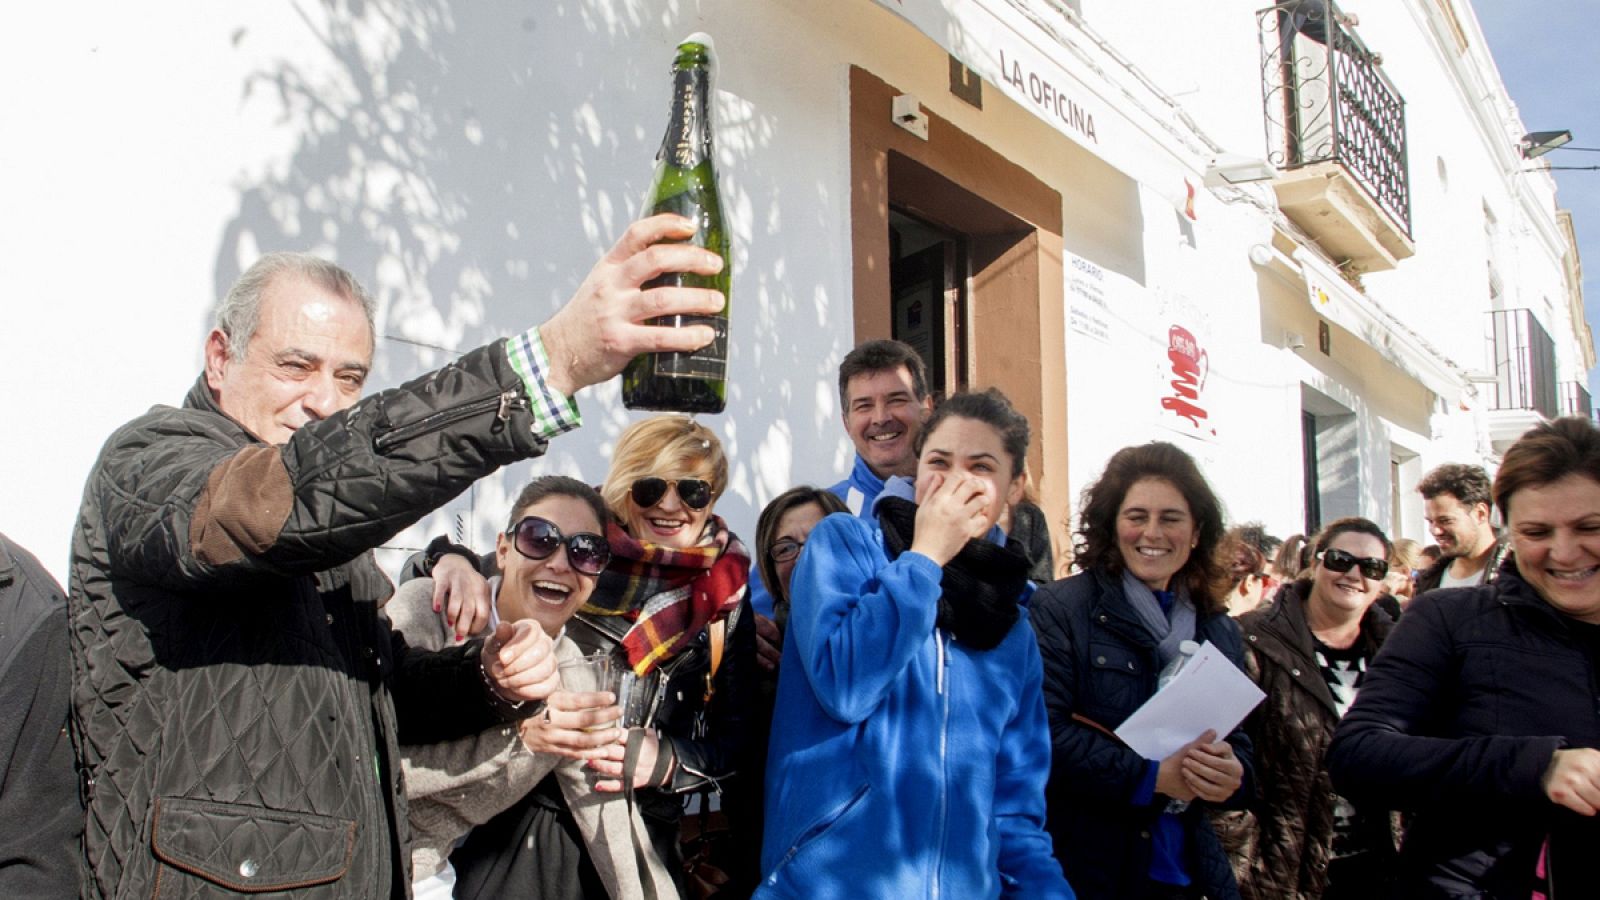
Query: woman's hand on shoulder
x,y
1573,780
950,511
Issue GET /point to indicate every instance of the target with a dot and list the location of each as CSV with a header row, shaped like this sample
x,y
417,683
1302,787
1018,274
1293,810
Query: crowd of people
x,y
890,693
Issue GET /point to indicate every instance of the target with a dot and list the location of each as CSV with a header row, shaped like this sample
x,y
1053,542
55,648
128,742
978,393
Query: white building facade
x,y
1050,197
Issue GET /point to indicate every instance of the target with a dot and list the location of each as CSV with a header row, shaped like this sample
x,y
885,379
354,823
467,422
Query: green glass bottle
x,y
686,183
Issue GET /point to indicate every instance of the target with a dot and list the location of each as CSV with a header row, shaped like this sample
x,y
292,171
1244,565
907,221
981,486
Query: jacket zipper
x,y
944,765
502,404
817,829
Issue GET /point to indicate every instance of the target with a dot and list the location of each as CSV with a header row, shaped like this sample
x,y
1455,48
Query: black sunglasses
x,y
537,538
785,549
1341,562
694,492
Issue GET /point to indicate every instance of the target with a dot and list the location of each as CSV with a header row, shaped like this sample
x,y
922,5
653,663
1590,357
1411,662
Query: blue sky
x,y
1546,55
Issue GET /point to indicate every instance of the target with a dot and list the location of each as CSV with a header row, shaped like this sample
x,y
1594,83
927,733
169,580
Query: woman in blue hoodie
x,y
910,755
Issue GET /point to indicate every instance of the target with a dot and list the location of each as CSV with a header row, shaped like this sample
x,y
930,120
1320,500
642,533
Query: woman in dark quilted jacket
x,y
1126,827
1479,717
1309,650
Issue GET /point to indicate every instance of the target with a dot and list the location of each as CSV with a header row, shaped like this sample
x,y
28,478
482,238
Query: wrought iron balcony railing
x,y
1326,100
1575,400
1524,363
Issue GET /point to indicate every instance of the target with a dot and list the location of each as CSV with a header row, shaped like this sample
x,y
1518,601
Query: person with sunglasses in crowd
x,y
1309,651
671,609
549,559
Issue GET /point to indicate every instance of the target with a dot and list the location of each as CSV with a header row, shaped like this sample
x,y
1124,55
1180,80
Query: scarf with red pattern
x,y
669,594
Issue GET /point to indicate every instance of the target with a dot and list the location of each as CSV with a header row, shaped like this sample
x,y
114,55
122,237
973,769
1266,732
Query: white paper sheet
x,y
1209,692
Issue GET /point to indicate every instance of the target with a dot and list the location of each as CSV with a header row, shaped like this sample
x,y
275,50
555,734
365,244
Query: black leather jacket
x,y
706,738
1433,576
235,685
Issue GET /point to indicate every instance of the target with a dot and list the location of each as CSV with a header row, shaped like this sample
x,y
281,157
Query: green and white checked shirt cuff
x,y
553,412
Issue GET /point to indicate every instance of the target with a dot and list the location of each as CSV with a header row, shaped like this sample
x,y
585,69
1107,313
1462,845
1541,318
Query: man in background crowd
x,y
883,393
1457,507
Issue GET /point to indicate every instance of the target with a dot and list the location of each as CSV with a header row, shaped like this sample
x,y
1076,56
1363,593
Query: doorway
x,y
928,280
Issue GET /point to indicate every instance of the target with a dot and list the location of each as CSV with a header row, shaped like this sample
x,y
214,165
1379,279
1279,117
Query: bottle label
x,y
688,130
710,361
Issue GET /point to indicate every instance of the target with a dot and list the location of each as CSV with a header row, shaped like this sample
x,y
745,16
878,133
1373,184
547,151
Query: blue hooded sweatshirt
x,y
860,490
902,763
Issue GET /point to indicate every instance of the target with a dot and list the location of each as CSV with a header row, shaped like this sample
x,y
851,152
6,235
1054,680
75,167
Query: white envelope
x,y
1208,692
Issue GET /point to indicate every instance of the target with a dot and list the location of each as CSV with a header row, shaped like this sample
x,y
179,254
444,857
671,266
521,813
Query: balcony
x,y
1524,366
1336,130
1575,400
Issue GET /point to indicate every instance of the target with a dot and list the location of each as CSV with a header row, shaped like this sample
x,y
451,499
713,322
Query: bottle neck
x,y
687,142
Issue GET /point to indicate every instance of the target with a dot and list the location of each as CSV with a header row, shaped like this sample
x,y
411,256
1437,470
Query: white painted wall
x,y
470,161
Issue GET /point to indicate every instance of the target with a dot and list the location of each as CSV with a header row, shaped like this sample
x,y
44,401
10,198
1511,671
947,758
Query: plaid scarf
x,y
670,595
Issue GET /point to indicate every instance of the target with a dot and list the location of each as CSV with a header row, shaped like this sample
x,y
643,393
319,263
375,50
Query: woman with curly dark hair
x,y
1123,826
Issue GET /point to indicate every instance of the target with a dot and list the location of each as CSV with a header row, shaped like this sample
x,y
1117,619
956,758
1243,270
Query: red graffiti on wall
x,y
1190,365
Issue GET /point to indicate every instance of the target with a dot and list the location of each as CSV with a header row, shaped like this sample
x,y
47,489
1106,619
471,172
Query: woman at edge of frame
x,y
1479,718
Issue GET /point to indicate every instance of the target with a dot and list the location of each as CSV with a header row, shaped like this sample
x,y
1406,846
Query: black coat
x,y
1456,723
235,686
1101,663
1433,576
41,815
1283,843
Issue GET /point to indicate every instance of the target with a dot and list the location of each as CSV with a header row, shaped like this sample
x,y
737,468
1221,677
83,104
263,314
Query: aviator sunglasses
x,y
537,538
694,492
1340,562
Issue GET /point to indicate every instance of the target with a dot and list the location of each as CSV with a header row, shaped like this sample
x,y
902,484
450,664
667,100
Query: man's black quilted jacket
x,y
235,685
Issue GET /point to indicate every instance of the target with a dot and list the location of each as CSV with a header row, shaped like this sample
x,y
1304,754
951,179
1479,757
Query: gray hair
x,y
239,313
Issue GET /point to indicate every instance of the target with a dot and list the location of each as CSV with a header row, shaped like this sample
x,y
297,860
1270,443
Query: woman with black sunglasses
x,y
671,609
550,558
1309,652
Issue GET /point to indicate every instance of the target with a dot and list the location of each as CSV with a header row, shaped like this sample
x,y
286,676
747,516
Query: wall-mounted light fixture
x,y
1235,168
1535,144
908,114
